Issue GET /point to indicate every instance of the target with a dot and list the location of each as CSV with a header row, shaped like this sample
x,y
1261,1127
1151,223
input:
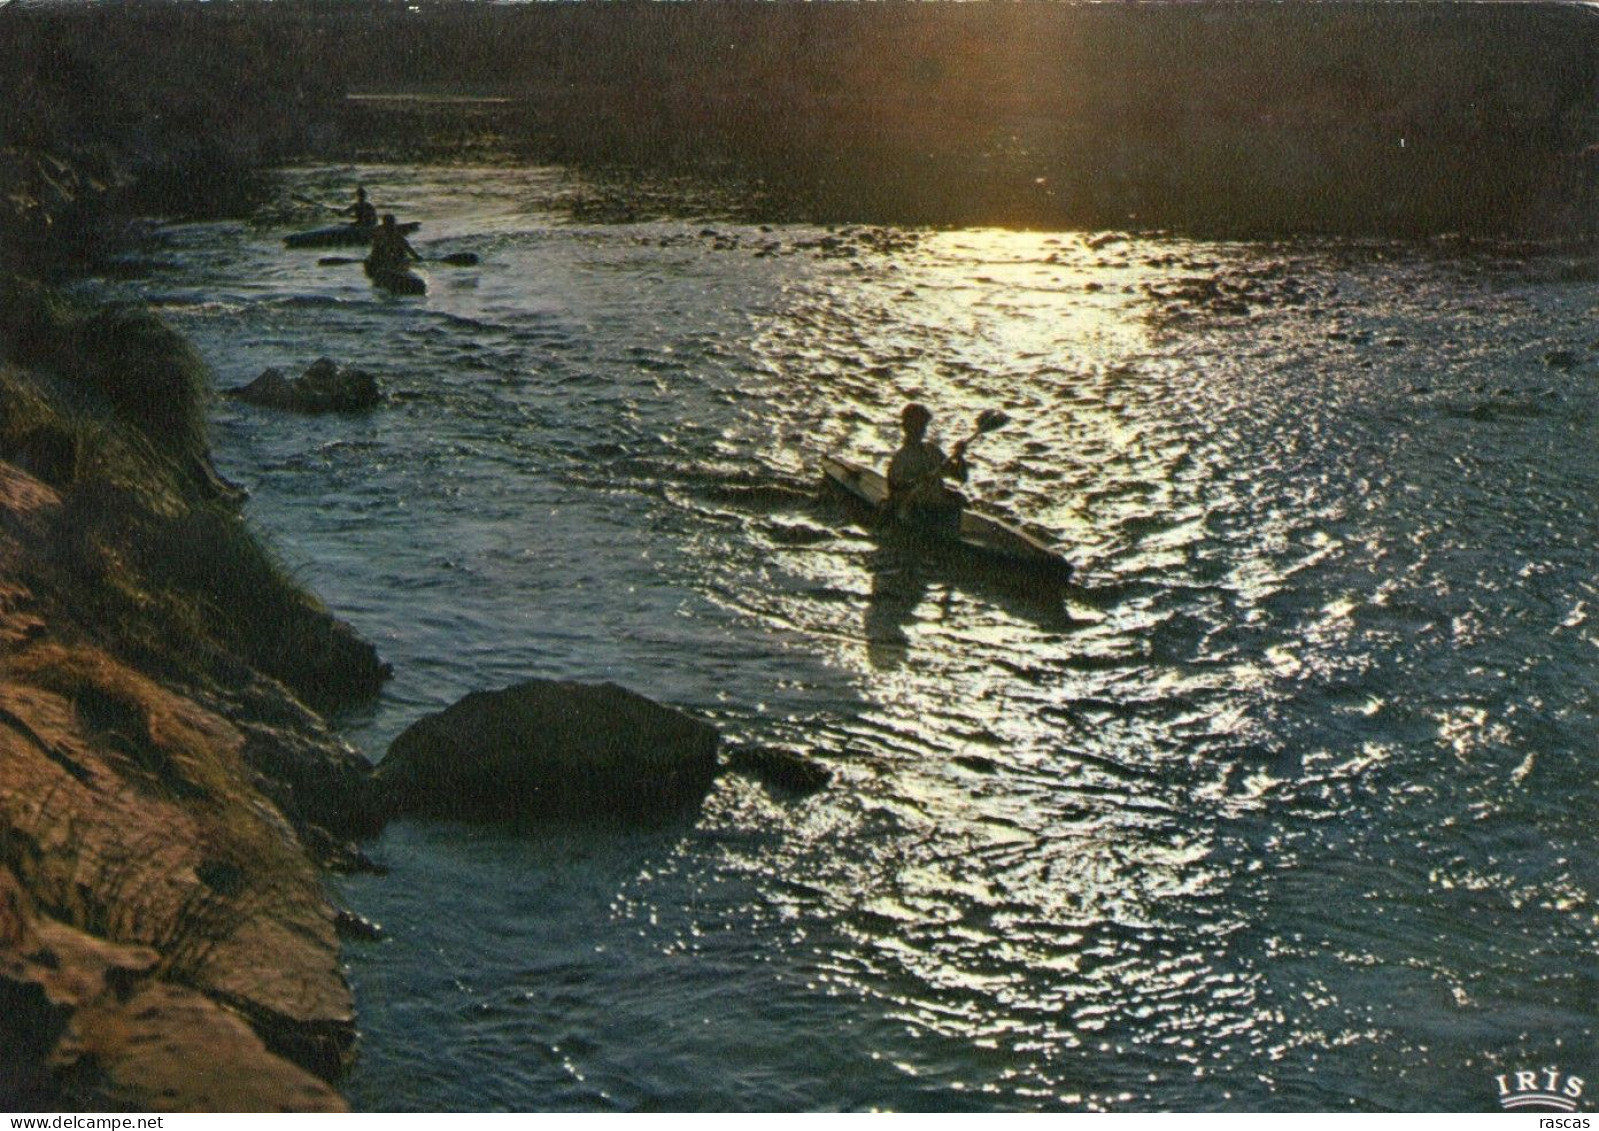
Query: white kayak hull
x,y
982,539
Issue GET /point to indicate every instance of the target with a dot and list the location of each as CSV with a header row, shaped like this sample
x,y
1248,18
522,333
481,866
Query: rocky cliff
x,y
166,797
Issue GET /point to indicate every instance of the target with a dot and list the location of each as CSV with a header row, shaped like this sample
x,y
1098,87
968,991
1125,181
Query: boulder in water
x,y
325,386
548,748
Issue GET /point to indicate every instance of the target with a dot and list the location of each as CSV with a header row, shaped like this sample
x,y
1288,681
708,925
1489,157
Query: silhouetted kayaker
x,y
391,254
366,216
916,490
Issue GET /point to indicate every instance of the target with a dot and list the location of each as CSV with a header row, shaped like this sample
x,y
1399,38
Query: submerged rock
x,y
976,763
548,748
1562,360
780,769
358,928
325,386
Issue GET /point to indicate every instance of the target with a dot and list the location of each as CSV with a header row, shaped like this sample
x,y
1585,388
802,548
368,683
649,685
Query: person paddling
x,y
391,254
363,212
917,493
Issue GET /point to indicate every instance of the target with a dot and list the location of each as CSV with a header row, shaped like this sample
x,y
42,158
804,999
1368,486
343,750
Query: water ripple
x,y
1284,807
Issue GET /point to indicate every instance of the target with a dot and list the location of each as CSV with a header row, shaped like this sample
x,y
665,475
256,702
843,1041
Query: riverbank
x,y
166,800
1222,119
169,797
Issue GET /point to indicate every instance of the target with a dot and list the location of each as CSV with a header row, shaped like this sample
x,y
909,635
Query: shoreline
x,y
1225,120
170,799
168,802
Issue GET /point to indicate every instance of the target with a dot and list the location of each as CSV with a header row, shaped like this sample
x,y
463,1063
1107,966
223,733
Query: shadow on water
x,y
898,587
904,567
905,571
904,581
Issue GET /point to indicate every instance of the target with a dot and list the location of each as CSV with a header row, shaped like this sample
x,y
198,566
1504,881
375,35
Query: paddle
x,y
989,420
318,203
458,259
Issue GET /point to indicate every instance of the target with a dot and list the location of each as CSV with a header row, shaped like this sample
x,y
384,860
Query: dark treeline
x,y
166,107
1218,117
187,84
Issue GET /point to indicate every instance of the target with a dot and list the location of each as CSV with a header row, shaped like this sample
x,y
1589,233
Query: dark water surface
x,y
1291,806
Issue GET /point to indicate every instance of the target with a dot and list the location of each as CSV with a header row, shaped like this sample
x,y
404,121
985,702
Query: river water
x,y
1288,806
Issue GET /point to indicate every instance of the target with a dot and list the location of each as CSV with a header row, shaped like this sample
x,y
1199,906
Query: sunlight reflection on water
x,y
1231,825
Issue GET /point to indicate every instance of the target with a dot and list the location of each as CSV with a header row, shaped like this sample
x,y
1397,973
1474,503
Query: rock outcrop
x,y
325,386
547,748
129,818
94,1024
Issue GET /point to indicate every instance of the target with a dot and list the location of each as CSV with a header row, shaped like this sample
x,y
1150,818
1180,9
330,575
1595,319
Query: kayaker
x,y
390,254
366,216
917,492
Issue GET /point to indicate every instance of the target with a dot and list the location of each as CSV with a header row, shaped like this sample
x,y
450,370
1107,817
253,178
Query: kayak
x,y
983,539
342,235
398,282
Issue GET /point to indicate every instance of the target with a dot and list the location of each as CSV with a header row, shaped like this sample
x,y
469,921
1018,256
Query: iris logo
x,y
1547,1090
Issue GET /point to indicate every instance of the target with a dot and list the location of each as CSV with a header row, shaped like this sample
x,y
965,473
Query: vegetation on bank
x,y
165,797
1221,117
107,406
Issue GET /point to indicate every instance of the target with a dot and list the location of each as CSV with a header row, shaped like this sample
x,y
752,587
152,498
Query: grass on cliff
x,y
108,407
108,861
201,590
120,358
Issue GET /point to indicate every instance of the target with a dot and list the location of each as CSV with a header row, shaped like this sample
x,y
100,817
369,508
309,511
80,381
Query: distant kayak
x,y
398,282
983,540
342,235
